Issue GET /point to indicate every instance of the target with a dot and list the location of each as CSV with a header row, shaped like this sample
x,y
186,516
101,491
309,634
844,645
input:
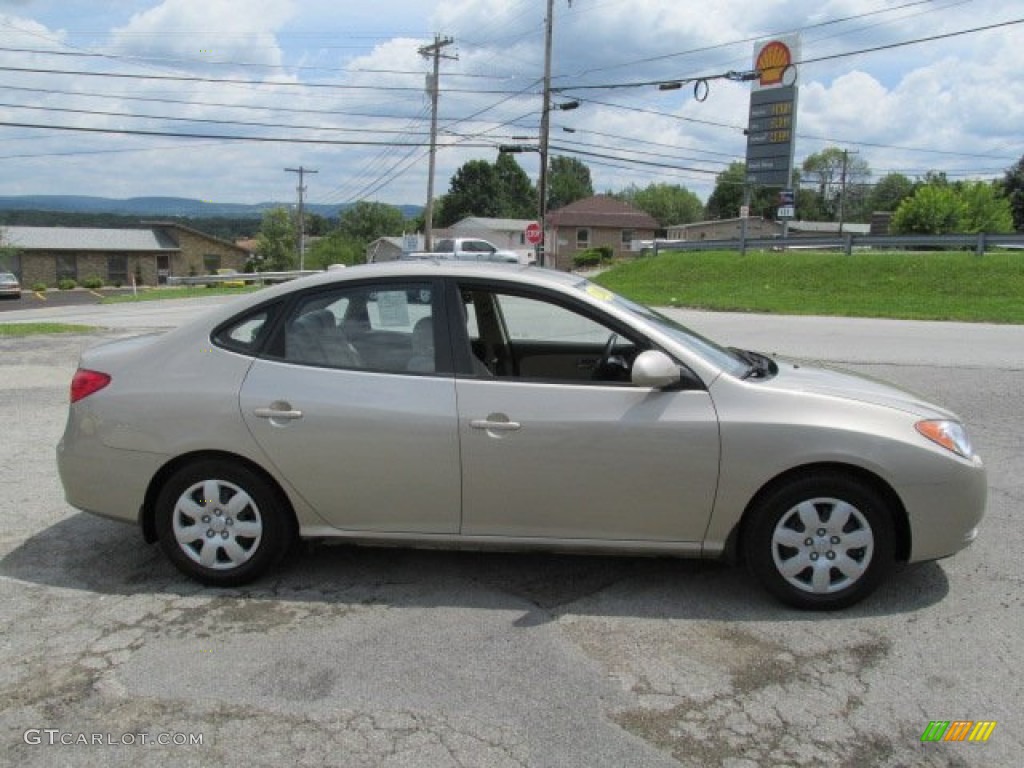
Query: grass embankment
x,y
178,292
917,286
33,329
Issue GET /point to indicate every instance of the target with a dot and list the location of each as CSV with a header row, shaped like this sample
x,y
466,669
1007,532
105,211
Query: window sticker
x,y
393,308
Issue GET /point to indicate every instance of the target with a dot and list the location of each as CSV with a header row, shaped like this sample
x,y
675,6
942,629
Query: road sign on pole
x,y
534,234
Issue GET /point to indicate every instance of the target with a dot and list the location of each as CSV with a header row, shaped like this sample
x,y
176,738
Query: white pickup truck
x,y
468,249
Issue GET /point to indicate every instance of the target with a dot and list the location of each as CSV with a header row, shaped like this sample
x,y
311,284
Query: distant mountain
x,y
161,206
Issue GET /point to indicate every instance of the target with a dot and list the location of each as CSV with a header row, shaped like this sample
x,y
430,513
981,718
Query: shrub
x,y
39,287
66,284
593,256
92,282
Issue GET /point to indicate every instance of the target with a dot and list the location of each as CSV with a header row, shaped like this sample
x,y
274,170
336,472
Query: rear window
x,y
245,334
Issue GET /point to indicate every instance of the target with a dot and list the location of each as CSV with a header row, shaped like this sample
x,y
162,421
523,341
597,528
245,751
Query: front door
x,y
557,444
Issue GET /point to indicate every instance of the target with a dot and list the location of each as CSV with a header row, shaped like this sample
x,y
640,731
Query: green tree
x,y
568,181
727,196
275,243
336,248
891,190
941,208
935,209
836,172
517,199
985,208
364,222
1013,190
670,204
474,191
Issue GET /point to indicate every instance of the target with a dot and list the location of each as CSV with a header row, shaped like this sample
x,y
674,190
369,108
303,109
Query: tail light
x,y
86,382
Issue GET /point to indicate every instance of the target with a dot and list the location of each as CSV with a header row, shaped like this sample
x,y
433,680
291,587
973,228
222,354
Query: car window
x,y
388,328
245,334
528,319
534,337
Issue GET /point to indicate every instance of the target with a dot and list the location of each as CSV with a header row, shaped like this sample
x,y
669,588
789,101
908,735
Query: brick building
x,y
594,222
150,254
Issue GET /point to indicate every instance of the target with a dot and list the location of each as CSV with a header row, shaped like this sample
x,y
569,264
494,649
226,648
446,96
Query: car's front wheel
x,y
222,523
822,541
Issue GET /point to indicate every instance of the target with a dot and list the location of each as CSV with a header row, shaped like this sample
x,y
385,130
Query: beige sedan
x,y
507,408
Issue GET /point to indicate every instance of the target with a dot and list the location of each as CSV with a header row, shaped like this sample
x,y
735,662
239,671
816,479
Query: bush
x,y
592,257
93,282
39,287
66,284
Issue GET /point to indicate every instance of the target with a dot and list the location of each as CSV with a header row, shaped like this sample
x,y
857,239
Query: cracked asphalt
x,y
375,657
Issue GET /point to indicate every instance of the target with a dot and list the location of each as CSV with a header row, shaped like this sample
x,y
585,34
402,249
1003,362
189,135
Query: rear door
x,y
355,406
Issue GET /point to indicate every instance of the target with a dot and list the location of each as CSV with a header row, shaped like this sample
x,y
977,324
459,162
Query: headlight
x,y
951,435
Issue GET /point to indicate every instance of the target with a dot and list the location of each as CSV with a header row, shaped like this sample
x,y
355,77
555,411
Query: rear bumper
x,y
106,481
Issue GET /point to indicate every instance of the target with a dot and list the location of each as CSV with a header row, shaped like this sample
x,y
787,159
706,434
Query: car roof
x,y
430,268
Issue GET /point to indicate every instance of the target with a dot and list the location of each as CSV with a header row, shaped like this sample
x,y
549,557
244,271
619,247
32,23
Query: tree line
x,y
830,185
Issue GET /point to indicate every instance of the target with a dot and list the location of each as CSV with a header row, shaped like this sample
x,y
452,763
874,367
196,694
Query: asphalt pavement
x,y
373,657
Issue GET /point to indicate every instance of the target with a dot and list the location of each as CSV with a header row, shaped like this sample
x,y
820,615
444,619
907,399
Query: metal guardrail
x,y
246,277
979,243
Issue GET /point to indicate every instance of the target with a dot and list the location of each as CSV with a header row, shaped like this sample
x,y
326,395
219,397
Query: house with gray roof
x,y
149,255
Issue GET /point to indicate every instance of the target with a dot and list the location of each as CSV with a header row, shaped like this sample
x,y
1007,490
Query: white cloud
x,y
197,29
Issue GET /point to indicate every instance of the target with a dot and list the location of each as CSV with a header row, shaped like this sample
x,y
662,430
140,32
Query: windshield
x,y
718,356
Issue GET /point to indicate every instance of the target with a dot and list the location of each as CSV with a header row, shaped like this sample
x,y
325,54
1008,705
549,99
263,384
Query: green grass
x,y
919,286
177,292
32,329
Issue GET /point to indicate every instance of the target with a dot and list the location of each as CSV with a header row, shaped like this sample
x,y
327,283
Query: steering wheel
x,y
606,355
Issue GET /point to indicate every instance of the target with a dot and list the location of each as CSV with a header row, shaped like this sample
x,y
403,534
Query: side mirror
x,y
656,370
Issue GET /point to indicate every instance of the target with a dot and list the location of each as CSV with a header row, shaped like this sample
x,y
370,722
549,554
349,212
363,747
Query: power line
x,y
212,121
184,135
237,81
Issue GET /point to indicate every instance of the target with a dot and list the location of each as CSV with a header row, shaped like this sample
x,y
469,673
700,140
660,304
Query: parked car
x,y
9,286
516,409
468,249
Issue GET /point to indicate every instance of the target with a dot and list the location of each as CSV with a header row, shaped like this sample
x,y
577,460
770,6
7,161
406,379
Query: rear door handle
x,y
278,412
495,426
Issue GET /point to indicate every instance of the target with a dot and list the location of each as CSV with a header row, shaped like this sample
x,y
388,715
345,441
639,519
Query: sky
x,y
214,99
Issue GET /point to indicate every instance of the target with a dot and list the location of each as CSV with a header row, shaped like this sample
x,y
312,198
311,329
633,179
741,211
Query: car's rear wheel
x,y
822,541
222,523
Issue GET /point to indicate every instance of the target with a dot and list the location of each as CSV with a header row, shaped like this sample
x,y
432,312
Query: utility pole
x,y
842,188
545,134
302,229
433,87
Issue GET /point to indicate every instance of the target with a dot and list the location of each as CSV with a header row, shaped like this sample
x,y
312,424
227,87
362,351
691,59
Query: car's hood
x,y
819,378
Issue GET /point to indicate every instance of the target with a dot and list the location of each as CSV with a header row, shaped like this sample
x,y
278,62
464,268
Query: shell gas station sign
x,y
771,128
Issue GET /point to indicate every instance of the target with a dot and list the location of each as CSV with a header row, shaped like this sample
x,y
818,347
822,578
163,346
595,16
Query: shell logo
x,y
772,62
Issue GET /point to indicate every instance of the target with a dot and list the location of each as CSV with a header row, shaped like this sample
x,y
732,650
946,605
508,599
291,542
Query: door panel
x,y
586,461
370,451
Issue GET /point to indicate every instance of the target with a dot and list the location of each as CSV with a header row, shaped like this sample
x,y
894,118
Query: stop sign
x,y
534,234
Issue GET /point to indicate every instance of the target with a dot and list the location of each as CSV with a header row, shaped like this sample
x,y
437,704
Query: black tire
x,y
846,553
227,540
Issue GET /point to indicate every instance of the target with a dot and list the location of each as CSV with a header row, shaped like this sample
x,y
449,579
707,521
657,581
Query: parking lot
x,y
374,657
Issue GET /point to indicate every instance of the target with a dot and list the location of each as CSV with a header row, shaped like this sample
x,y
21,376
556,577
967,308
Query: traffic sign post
x,y
534,233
